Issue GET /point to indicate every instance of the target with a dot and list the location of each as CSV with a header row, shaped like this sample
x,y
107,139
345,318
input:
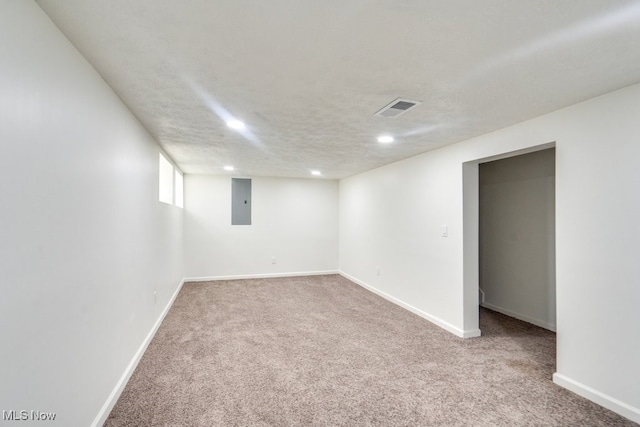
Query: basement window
x,y
165,180
179,184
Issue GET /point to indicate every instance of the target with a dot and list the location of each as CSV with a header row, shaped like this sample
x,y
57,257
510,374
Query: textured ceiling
x,y
307,76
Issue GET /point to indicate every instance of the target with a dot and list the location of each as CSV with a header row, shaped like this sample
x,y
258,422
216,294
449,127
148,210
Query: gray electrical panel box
x,y
240,201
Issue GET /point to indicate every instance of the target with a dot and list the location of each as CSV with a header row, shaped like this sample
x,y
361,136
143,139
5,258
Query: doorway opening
x,y
517,237
517,286
509,237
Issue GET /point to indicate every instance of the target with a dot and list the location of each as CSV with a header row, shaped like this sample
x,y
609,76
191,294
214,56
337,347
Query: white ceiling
x,y
307,76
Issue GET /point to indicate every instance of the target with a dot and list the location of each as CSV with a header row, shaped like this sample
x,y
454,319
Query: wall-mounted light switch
x,y
445,231
273,260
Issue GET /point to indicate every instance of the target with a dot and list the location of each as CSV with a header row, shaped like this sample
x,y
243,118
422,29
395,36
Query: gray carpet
x,y
322,351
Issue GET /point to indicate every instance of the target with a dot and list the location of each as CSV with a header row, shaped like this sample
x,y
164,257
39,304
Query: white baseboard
x,y
102,416
259,276
519,316
439,322
600,398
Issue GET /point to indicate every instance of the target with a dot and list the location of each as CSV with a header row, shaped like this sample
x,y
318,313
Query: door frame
x,y
471,235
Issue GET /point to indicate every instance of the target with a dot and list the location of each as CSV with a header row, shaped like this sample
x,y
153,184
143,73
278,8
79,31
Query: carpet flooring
x,y
322,351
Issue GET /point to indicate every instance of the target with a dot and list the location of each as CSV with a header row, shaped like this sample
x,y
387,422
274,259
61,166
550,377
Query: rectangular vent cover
x,y
398,107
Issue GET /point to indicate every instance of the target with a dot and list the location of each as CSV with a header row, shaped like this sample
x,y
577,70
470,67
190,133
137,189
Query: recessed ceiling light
x,y
235,124
316,173
385,139
229,168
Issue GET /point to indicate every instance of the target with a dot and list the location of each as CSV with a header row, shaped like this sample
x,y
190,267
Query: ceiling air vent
x,y
398,107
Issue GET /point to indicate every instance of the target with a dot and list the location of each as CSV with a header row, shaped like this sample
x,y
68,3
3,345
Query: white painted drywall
x,y
391,217
293,220
517,237
84,242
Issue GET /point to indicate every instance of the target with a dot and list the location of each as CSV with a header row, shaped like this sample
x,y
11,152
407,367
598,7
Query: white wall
x,y
391,217
294,220
517,237
84,242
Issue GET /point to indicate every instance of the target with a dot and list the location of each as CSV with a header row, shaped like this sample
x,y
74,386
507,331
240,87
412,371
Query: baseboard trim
x,y
435,320
102,416
259,276
598,397
519,316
